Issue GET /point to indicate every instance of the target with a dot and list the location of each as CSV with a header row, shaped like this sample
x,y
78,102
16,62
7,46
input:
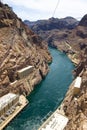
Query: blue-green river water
x,y
47,96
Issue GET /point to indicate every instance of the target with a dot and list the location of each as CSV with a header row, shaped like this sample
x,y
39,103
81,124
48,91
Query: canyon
x,y
20,47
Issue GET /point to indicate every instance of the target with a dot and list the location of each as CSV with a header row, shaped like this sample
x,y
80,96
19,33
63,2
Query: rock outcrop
x,y
19,48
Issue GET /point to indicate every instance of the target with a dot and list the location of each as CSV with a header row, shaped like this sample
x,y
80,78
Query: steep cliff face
x,y
19,47
75,107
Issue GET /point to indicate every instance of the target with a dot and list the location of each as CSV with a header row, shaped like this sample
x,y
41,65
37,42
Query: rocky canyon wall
x,y
19,48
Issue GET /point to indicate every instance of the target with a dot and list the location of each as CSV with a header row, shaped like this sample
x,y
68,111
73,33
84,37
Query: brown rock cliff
x,y
19,48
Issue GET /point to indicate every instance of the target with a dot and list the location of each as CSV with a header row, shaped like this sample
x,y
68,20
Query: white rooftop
x,y
6,99
26,68
57,122
78,82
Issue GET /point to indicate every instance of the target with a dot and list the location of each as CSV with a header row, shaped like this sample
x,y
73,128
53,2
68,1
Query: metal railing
x,y
46,117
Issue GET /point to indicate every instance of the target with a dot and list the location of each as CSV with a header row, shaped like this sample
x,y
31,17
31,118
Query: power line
x,y
56,8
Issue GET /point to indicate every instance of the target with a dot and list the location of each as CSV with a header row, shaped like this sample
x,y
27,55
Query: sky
x,y
43,9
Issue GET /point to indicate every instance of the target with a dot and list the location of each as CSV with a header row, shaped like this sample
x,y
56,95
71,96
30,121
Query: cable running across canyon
x,y
56,7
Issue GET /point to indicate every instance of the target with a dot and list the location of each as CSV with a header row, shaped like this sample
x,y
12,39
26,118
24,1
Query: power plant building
x,y
55,122
7,101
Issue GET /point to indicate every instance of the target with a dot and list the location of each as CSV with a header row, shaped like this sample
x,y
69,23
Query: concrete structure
x,y
7,101
55,122
77,85
24,72
13,105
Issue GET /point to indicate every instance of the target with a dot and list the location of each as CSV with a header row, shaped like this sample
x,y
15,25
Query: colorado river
x,y
47,96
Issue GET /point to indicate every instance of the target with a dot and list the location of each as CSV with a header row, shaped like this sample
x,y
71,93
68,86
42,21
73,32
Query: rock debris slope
x,y
19,48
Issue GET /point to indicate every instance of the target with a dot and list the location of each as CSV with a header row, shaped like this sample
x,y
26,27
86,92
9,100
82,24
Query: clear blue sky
x,y
43,9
